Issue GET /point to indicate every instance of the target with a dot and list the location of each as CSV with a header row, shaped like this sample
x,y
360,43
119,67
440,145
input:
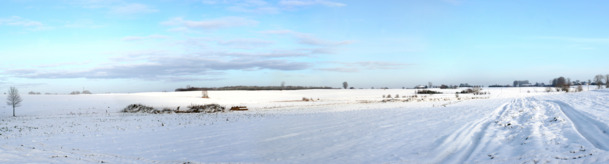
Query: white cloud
x,y
18,21
133,8
258,10
264,7
245,43
118,7
139,38
339,69
365,65
311,40
299,3
576,39
85,23
224,22
307,39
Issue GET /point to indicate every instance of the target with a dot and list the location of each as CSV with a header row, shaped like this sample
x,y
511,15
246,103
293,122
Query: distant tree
x,y
607,81
430,85
282,85
86,92
13,99
559,83
75,92
352,88
567,85
598,79
345,85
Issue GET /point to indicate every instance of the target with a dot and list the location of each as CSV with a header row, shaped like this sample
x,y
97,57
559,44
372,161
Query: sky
x,y
160,45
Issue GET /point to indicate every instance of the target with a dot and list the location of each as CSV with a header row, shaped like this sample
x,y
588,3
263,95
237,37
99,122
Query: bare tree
x,y
13,99
345,85
607,81
282,85
559,83
598,79
567,85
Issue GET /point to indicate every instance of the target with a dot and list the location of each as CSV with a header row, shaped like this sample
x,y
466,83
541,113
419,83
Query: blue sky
x,y
155,45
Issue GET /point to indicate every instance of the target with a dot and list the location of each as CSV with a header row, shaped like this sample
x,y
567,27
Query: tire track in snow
x,y
459,146
524,129
593,131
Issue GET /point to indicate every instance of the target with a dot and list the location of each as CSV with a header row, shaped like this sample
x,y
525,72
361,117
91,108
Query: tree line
x,y
564,84
249,88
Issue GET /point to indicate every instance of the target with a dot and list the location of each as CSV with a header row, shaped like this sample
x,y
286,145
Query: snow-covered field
x,y
509,125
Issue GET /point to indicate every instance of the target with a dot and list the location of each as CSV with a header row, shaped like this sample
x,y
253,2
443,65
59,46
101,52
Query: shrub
x,y
209,108
139,108
428,92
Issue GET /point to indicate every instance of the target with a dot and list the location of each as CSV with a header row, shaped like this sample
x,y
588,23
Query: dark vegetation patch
x,y
427,92
207,108
251,88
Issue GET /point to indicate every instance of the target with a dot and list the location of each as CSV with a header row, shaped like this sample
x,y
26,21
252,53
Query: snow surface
x,y
509,125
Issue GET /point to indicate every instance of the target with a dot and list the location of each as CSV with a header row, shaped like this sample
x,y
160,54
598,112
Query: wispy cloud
x,y
308,39
223,22
132,8
299,3
576,39
140,38
167,67
253,6
245,43
19,21
365,65
117,7
269,55
264,7
84,23
340,69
